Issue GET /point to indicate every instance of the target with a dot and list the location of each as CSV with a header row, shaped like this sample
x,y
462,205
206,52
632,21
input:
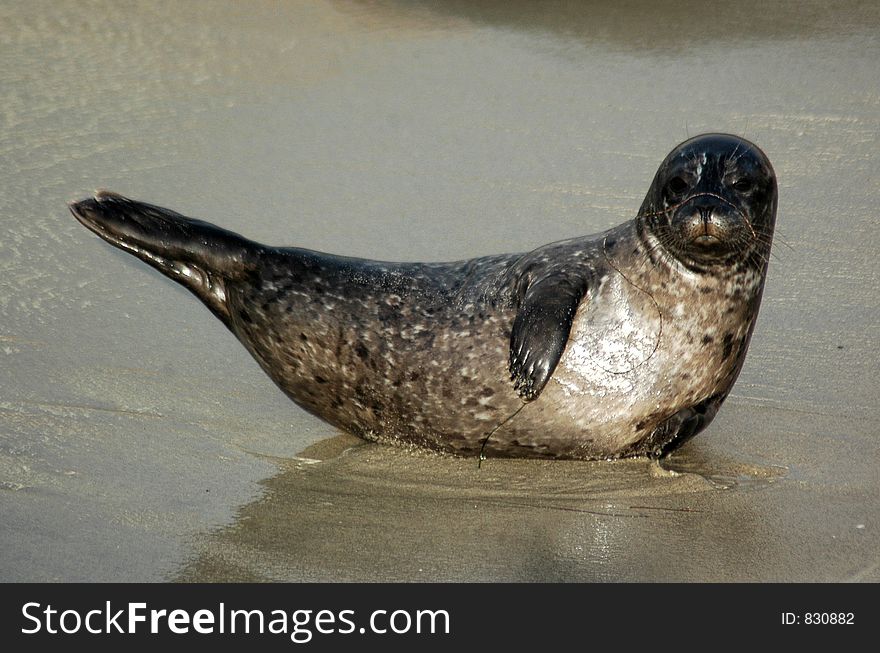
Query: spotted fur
x,y
620,344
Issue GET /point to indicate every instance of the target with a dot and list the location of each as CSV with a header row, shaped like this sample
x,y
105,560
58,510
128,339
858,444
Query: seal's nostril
x,y
705,214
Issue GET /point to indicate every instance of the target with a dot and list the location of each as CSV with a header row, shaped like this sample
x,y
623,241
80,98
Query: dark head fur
x,y
713,203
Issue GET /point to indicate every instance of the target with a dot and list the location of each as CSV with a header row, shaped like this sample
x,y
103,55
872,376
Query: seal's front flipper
x,y
196,254
541,329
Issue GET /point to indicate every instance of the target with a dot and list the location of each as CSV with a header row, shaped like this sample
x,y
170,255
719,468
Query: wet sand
x,y
140,442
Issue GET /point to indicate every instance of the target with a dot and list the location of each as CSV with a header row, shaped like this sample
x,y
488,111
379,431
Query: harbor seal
x,y
620,344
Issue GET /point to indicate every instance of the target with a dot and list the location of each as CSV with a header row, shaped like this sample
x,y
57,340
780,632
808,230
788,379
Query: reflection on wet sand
x,y
417,515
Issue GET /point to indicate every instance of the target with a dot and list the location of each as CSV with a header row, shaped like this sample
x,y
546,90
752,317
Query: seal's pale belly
x,y
637,355
613,374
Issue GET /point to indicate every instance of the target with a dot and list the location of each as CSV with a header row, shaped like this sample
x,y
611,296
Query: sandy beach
x,y
139,441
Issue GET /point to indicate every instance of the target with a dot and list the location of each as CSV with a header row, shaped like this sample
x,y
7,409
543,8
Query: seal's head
x,y
713,202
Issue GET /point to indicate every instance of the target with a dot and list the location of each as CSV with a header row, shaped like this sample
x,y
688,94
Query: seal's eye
x,y
743,185
677,185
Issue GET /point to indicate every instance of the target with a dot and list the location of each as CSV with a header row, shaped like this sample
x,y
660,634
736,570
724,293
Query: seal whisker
x,y
732,160
780,238
769,252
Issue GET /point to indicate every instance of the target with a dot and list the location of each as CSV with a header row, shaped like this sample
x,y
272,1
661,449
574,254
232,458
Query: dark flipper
x,y
196,254
541,330
681,427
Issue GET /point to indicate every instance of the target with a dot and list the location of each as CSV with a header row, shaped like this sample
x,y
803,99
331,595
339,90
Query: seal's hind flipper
x,y
196,254
541,330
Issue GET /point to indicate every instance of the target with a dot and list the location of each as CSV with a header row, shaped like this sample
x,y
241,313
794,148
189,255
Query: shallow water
x,y
139,441
385,513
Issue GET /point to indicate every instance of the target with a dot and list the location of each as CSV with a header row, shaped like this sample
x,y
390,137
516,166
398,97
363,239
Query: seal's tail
x,y
194,253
